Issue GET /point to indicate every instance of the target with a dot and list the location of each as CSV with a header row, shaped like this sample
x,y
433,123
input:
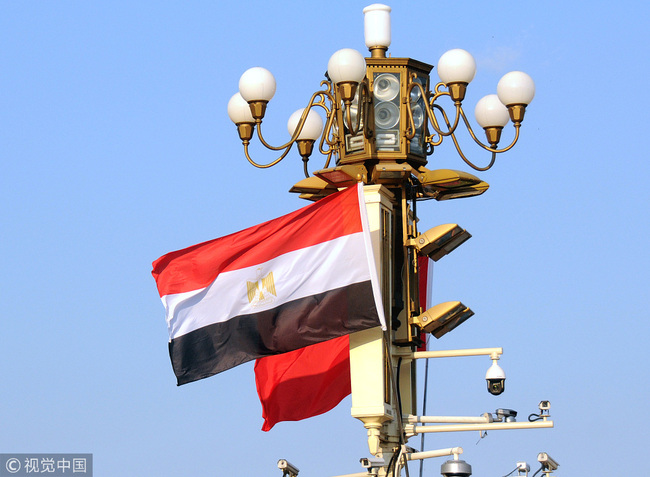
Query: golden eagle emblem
x,y
262,290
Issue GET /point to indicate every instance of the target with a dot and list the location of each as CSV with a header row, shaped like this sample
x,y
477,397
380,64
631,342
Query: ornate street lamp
x,y
383,119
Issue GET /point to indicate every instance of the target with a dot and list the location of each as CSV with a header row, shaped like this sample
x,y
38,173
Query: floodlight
x,y
442,318
343,176
461,192
390,173
312,197
313,185
441,240
436,181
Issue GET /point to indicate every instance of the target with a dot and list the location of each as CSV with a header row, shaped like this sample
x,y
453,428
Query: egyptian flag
x,y
313,380
301,279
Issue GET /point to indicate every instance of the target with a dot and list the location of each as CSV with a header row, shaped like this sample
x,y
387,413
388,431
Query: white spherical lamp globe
x,y
516,87
239,111
456,66
346,65
490,112
312,128
257,84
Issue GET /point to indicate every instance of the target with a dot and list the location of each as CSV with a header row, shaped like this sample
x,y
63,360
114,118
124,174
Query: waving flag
x,y
303,383
294,281
313,380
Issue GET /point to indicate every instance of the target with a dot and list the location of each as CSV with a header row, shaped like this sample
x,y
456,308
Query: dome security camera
x,y
456,468
496,379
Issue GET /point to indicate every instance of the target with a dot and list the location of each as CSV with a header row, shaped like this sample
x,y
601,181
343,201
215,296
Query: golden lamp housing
x,y
441,240
443,318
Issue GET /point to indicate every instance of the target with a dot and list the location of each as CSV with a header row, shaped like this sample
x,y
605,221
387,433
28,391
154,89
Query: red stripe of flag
x,y
197,266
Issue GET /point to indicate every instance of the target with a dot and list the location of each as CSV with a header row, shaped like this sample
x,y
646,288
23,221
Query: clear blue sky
x,y
115,148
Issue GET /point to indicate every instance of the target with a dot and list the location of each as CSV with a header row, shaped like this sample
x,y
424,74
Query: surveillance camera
x,y
288,468
506,415
456,468
372,462
523,467
546,461
544,405
496,379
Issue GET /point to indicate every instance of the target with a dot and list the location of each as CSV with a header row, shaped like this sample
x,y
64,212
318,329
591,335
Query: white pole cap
x,y
376,22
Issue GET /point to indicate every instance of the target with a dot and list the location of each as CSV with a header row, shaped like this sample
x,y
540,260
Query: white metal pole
x,y
449,419
455,451
454,353
493,426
